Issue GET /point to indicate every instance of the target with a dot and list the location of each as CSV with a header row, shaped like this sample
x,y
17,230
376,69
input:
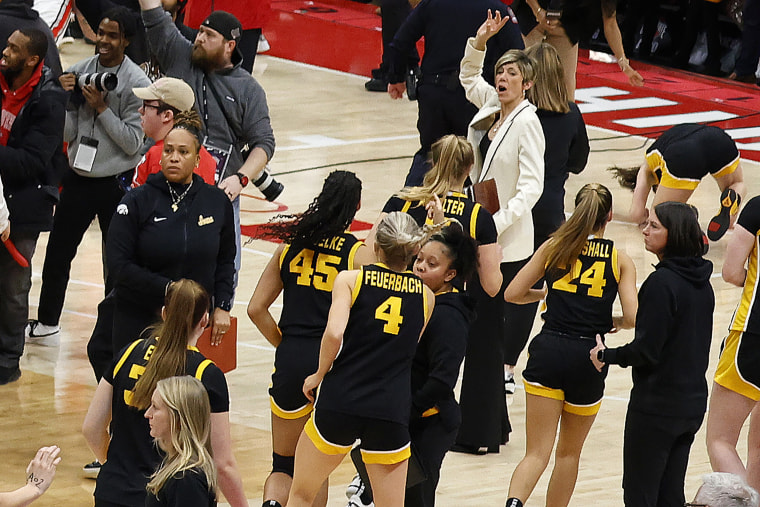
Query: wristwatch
x,y
600,355
243,179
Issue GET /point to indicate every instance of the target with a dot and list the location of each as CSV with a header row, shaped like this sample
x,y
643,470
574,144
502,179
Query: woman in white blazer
x,y
508,141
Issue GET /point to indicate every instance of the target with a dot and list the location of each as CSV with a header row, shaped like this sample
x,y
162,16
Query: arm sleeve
x,y
412,30
477,90
447,342
216,386
225,260
653,325
393,204
166,42
485,229
29,161
530,182
579,146
121,252
257,125
125,129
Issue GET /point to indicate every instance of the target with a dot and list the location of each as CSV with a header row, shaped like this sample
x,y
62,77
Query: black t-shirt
x,y
307,279
186,489
132,455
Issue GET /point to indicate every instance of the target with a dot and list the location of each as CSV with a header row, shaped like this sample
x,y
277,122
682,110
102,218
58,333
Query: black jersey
x,y
307,278
579,301
686,153
475,220
372,373
132,455
747,314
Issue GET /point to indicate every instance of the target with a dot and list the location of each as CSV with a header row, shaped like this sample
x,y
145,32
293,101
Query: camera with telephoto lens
x,y
102,81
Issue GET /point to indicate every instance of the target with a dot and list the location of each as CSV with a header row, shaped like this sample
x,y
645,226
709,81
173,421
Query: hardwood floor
x,y
325,120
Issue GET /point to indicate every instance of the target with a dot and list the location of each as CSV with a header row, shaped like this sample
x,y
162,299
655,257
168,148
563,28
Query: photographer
x,y
104,135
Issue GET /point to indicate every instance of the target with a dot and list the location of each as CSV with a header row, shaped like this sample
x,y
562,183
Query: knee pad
x,y
283,464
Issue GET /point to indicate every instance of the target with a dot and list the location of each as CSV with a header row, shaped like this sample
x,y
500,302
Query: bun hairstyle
x,y
190,418
186,303
329,214
452,158
399,237
593,204
189,120
461,249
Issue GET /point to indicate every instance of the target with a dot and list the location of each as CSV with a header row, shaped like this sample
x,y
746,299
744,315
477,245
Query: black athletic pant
x,y
655,456
82,199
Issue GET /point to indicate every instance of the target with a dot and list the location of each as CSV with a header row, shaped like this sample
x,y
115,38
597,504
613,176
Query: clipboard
x,y
224,355
485,194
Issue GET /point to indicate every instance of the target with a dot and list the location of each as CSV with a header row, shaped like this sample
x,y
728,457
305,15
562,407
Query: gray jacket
x,y
117,129
244,119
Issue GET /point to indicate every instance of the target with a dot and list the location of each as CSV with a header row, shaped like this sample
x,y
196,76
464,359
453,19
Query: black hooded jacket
x,y
439,355
671,347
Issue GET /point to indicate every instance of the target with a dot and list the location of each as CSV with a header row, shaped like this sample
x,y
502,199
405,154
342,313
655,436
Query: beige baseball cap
x,y
170,91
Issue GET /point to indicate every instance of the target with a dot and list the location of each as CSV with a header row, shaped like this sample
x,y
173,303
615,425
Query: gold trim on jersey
x,y
321,442
728,168
352,253
124,357
615,265
727,373
655,160
474,219
749,295
406,206
431,411
387,457
202,367
357,285
282,255
290,414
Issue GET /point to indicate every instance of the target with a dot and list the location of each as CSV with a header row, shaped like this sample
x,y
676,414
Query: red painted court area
x,y
345,35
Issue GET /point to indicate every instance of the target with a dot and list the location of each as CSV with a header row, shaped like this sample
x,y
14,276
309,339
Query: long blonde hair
x,y
452,159
549,91
186,303
190,446
593,203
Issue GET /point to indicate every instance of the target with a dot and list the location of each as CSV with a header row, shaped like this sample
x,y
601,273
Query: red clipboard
x,y
224,355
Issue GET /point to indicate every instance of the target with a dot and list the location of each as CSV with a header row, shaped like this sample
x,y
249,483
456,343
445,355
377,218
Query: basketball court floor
x,y
325,120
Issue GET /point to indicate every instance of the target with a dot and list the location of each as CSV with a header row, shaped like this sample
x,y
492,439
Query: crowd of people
x,y
372,334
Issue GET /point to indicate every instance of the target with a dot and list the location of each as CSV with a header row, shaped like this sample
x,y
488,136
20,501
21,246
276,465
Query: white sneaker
x,y
509,383
356,501
354,487
263,46
39,334
91,470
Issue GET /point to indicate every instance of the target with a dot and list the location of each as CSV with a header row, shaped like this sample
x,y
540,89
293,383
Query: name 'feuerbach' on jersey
x,y
398,282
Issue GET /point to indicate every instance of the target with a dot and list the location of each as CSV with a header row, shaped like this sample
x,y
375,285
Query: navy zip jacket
x,y
150,245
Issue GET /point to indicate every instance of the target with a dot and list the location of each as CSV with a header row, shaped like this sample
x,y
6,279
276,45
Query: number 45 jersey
x,y
372,373
307,278
579,301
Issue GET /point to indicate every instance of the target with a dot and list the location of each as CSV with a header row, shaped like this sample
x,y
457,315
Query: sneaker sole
x,y
729,206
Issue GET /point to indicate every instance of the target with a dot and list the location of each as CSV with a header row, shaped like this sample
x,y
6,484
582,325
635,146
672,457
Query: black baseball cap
x,y
227,25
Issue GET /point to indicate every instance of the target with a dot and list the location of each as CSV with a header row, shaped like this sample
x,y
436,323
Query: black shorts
x,y
559,367
295,359
382,442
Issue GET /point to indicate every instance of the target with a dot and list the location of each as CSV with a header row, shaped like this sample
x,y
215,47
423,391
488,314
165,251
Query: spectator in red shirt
x,y
166,103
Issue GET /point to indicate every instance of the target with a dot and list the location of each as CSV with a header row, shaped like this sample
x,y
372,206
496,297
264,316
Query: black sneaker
x,y
91,470
376,85
729,206
8,375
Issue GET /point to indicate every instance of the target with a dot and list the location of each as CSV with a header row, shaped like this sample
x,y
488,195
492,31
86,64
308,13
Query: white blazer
x,y
515,159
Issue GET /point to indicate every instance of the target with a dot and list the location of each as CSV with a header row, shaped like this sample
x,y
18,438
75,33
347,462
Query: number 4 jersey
x,y
372,373
579,301
307,278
